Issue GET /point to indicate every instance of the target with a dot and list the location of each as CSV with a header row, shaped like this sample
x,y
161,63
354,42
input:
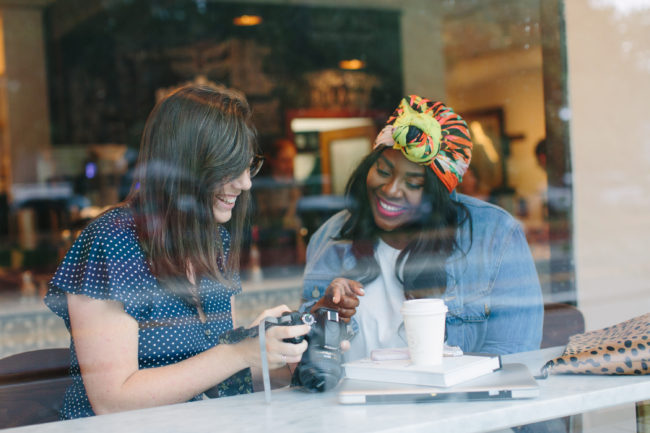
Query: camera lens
x,y
316,379
320,367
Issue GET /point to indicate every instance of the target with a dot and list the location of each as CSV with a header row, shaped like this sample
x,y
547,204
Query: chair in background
x,y
32,386
561,321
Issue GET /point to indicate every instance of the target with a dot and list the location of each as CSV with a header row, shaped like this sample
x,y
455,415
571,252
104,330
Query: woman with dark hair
x,y
146,290
407,233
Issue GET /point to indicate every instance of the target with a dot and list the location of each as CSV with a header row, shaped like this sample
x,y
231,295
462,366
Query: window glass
x,y
554,94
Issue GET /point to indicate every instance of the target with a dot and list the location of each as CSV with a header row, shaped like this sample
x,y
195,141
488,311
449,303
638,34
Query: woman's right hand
x,y
341,295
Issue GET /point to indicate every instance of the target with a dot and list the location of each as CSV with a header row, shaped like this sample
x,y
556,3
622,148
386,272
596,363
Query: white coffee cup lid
x,y
424,306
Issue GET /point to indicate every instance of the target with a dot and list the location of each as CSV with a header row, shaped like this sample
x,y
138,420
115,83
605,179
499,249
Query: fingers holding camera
x,y
271,312
280,352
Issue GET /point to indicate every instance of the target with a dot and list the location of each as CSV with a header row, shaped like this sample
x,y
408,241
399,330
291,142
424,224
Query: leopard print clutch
x,y
623,348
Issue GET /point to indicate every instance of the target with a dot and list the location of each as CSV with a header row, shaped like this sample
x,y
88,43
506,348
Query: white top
x,y
378,314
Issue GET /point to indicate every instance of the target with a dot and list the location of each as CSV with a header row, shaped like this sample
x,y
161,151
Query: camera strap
x,y
266,378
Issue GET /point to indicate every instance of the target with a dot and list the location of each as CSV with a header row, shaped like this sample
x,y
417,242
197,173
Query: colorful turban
x,y
429,133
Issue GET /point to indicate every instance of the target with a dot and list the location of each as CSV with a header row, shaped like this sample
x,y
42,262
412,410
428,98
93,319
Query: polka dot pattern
x,y
107,262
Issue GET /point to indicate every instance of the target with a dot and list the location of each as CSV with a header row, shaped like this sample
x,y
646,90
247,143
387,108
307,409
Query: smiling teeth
x,y
228,200
388,207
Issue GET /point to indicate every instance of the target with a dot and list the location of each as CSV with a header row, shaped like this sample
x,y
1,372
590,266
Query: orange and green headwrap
x,y
429,133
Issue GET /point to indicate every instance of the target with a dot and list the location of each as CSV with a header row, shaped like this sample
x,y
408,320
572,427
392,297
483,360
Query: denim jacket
x,y
493,293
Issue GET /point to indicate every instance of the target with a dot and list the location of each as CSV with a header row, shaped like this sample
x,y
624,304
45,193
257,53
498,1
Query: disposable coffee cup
x,y
424,323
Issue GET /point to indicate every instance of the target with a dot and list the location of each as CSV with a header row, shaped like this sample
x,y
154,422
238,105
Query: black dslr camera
x,y
320,367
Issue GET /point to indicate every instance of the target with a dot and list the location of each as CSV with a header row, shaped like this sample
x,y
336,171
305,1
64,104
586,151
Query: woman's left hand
x,y
280,352
271,312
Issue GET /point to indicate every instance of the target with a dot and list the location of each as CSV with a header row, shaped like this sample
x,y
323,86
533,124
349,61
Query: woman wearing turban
x,y
407,233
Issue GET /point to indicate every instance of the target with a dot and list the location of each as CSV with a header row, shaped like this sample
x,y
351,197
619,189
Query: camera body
x,y
291,318
320,367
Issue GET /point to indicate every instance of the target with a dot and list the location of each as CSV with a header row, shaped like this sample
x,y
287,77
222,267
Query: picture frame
x,y
491,146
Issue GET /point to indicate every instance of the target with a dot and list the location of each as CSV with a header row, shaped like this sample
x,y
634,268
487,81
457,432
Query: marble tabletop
x,y
296,411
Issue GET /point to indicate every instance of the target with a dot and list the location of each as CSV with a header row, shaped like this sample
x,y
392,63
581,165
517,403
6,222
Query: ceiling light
x,y
247,20
352,64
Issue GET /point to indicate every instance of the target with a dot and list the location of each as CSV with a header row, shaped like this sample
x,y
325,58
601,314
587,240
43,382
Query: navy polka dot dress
x,y
107,262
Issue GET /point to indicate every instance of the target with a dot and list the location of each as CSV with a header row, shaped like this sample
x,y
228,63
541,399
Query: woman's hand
x,y
278,352
341,295
271,312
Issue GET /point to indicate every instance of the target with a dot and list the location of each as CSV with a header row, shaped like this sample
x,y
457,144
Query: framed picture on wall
x,y
490,146
340,151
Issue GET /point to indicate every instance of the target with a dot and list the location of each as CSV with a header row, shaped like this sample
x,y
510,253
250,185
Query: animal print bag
x,y
623,348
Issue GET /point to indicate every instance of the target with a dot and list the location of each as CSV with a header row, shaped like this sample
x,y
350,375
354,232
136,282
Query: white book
x,y
453,370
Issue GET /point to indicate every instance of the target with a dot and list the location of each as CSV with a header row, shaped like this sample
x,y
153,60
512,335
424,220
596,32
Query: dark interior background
x,y
104,66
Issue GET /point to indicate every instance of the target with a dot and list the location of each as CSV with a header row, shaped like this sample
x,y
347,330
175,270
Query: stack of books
x,y
452,371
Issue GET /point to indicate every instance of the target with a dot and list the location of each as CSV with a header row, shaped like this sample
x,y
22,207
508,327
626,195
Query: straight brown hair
x,y
194,141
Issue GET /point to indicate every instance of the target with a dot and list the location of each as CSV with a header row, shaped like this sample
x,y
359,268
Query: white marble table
x,y
296,411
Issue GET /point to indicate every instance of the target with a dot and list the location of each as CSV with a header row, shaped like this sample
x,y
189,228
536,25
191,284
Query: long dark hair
x,y
194,141
421,265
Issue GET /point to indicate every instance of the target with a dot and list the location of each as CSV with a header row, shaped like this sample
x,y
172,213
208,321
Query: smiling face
x,y
226,197
395,187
